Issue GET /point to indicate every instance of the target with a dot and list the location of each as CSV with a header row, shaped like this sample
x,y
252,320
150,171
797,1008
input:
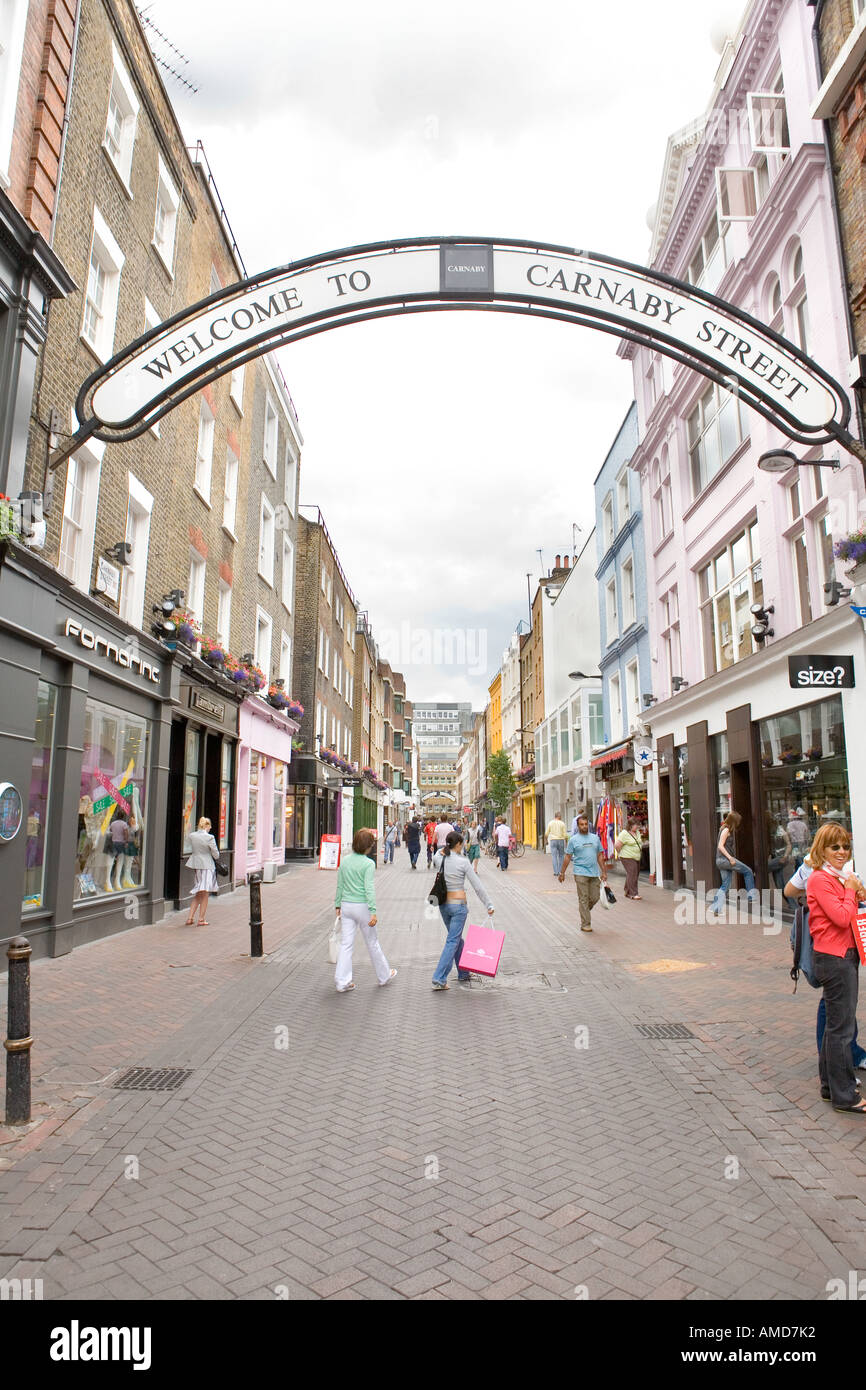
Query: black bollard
x,y
255,882
18,1041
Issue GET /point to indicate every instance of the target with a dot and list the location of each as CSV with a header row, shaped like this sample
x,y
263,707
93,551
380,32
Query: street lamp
x,y
782,460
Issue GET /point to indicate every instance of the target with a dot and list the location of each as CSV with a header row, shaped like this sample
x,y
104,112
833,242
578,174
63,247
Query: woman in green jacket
x,y
356,906
628,845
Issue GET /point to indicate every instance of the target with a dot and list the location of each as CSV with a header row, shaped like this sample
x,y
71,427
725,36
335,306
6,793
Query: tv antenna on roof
x,y
154,33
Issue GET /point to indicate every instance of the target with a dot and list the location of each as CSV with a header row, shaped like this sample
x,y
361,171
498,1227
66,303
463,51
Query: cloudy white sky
x,y
445,450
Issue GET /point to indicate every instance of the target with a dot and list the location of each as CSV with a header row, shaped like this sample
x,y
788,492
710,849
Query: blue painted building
x,y
623,619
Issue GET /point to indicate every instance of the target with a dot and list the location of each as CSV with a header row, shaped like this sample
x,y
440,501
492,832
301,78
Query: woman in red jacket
x,y
832,897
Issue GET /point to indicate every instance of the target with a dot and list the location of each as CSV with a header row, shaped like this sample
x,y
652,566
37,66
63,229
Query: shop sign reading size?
x,y
837,672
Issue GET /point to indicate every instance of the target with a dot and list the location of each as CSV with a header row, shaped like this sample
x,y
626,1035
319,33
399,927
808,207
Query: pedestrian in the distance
x,y
473,853
585,852
442,831
355,902
727,862
203,852
391,836
503,840
832,896
457,871
629,846
429,832
557,838
413,841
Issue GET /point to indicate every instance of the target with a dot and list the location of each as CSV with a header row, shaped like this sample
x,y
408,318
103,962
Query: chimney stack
x,y
565,562
558,564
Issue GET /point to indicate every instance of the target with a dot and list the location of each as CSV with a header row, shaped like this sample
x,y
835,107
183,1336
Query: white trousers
x,y
355,915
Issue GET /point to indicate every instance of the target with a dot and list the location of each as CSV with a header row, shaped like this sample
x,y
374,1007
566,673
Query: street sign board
x,y
837,672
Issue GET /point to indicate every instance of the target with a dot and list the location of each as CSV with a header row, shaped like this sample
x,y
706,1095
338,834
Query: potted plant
x,y
212,651
767,760
187,625
813,754
276,696
853,549
790,755
9,528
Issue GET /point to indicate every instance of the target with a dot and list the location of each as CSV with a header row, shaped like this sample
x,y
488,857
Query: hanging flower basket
x,y
187,625
213,652
852,547
294,709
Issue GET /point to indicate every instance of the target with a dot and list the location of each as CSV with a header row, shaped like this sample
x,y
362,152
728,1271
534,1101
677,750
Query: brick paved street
x,y
408,1144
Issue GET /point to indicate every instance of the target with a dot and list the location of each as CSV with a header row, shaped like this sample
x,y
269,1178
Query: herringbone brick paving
x,y
413,1145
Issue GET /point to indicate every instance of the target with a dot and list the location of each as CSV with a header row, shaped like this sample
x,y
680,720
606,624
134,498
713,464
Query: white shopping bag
x,y
334,940
603,899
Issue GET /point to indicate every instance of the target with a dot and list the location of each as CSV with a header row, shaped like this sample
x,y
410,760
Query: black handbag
x,y
439,893
221,868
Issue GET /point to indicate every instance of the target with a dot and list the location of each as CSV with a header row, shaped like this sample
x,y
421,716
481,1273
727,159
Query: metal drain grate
x,y
664,1030
153,1079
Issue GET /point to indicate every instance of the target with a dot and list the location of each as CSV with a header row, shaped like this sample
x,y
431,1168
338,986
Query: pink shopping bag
x,y
482,947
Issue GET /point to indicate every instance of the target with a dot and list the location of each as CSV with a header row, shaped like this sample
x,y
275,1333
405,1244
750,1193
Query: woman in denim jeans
x,y
726,862
458,871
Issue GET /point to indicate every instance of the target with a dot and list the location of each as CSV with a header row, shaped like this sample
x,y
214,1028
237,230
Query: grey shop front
x,y
85,723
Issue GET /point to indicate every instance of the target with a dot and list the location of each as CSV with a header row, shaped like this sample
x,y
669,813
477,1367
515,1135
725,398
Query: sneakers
x,y
586,929
435,986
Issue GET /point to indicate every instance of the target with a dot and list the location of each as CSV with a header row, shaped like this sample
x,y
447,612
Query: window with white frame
x,y
288,574
286,661
623,505
775,313
859,7
611,618
123,107
216,283
768,121
236,387
165,216
204,452
799,302
103,283
151,320
615,696
230,491
79,515
324,580
661,486
224,614
321,650
318,719
290,480
632,691
800,563
13,22
269,445
195,586
728,586
576,731
716,428
327,662
264,633
736,194
607,528
628,607
652,385
266,540
707,265
138,512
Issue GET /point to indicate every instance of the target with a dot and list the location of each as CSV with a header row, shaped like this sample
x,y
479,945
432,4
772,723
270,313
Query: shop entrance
x,y
667,874
741,800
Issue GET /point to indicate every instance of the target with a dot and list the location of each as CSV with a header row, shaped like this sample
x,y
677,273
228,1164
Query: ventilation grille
x,y
152,1079
664,1030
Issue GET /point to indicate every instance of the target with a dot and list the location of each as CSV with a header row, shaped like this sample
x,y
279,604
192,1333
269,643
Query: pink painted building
x,y
738,558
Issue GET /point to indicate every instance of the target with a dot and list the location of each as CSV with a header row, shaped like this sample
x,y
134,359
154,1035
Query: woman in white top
x,y
204,852
458,872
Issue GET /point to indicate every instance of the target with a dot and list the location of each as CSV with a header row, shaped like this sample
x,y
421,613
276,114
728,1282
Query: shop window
x,y
728,588
721,766
123,107
224,827
804,781
112,802
191,786
39,797
253,804
279,804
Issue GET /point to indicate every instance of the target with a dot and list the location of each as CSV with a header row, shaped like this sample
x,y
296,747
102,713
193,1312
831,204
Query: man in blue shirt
x,y
584,848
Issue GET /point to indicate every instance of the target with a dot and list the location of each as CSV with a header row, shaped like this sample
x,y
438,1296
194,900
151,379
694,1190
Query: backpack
x,y
801,945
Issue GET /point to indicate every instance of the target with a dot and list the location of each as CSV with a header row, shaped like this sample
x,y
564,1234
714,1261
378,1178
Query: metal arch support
x,y
173,361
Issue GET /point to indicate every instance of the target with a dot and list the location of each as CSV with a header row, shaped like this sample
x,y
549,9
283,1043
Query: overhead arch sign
x,y
166,365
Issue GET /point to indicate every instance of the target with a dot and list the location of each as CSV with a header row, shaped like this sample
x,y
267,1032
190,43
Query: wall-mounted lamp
x,y
120,551
761,629
782,461
834,591
165,628
649,700
678,683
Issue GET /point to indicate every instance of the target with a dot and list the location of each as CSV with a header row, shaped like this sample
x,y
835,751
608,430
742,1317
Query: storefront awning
x,y
611,755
